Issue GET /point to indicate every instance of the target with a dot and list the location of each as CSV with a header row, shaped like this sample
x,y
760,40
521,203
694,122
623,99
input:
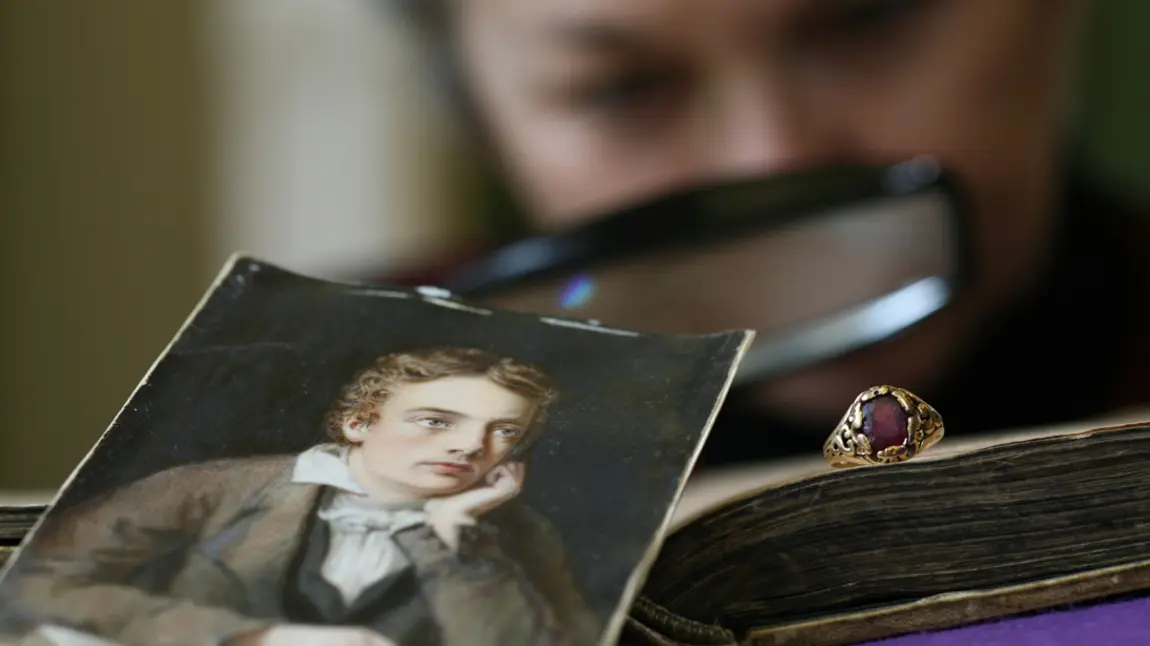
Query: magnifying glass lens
x,y
771,282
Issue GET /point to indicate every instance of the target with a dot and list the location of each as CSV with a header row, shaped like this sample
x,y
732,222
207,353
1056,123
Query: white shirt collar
x,y
326,464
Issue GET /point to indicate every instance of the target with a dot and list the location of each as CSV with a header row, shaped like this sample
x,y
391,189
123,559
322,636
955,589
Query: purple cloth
x,y
1113,624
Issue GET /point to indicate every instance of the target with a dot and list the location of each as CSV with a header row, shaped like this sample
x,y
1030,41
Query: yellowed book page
x,y
705,491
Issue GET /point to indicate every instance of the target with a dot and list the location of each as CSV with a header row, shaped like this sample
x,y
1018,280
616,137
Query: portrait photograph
x,y
321,463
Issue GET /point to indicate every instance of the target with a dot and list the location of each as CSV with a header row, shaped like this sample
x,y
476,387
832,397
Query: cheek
x,y
500,450
393,447
567,169
990,109
988,100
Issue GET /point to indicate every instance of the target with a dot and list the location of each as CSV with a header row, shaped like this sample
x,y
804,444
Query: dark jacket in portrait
x,y
197,554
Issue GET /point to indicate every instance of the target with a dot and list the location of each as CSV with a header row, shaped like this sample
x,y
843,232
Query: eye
x,y
866,22
622,89
628,97
507,432
875,15
433,422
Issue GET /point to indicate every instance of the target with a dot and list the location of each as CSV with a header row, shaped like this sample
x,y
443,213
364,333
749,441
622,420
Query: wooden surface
x,y
25,497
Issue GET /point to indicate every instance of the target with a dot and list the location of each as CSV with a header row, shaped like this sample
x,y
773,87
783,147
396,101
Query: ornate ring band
x,y
884,425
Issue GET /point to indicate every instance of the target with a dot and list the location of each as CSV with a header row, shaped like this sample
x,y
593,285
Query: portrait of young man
x,y
404,528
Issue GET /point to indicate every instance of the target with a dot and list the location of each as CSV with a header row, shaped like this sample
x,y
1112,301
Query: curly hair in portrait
x,y
360,398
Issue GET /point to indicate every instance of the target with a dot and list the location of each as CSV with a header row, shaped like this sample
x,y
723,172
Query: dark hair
x,y
361,397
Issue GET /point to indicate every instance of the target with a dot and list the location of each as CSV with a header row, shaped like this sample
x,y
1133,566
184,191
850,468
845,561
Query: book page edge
x,y
614,626
758,478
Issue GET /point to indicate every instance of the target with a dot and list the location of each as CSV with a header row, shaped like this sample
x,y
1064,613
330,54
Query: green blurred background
x,y
1116,131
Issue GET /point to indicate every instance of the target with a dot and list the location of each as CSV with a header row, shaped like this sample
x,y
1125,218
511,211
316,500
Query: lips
x,y
450,468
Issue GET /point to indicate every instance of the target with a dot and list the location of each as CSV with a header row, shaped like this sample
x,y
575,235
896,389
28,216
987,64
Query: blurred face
x,y
595,103
437,438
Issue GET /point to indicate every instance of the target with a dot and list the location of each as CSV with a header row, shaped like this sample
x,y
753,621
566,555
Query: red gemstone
x,y
884,422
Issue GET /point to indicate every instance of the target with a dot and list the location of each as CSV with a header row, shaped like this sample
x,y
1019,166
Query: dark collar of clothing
x,y
394,606
1079,347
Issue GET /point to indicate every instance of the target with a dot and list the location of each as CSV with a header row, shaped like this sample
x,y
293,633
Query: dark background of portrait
x,y
258,366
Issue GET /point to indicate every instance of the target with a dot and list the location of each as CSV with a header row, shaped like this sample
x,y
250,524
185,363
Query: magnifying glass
x,y
818,262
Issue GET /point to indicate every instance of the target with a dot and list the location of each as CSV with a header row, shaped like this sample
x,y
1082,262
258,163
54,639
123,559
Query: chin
x,y
437,485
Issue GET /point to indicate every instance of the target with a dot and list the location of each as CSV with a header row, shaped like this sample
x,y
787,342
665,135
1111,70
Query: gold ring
x,y
884,425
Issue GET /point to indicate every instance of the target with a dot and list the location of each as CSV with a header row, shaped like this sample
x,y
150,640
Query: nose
x,y
469,441
754,127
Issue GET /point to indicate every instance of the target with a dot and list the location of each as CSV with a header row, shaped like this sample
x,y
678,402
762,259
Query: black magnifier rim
x,y
692,217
